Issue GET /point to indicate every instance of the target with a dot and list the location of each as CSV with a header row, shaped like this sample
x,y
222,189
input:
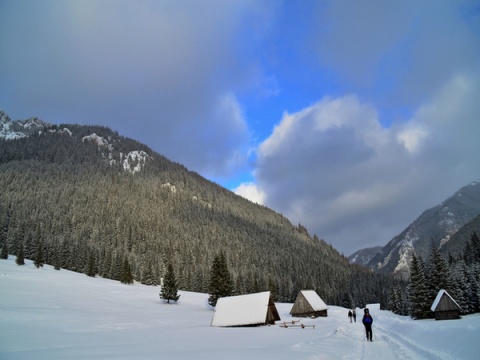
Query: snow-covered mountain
x,y
364,256
10,130
437,224
101,220
131,161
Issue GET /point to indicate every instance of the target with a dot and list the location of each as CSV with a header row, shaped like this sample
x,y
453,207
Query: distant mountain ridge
x,y
456,245
364,256
438,224
89,200
10,130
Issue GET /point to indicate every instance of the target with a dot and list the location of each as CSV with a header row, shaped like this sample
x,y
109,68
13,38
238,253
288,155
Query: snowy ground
x,y
49,314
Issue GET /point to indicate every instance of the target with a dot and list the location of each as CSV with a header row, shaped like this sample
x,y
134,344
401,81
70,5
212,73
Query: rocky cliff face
x,y
10,130
436,225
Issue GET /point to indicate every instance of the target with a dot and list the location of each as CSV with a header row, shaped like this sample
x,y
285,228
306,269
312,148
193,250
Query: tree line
x,y
458,275
66,203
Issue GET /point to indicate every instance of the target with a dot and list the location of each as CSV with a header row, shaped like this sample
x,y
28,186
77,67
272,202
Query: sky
x,y
349,117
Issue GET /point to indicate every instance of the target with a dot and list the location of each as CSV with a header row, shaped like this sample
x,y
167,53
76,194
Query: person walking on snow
x,y
354,314
350,315
368,321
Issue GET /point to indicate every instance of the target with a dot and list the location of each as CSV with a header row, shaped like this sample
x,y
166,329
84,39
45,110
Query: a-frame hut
x,y
245,310
309,304
445,307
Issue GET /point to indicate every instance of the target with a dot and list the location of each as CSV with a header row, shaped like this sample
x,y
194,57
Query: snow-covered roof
x,y
242,310
314,300
439,297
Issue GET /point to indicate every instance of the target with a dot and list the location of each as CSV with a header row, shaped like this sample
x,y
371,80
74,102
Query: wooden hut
x,y
445,307
245,310
309,304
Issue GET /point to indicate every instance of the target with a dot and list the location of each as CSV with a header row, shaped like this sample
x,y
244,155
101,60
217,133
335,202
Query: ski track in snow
x,y
404,348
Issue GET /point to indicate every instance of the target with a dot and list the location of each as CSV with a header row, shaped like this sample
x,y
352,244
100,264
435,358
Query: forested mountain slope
x,y
87,199
455,247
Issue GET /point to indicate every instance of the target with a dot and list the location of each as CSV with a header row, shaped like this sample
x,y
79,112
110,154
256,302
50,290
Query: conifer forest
x,y
78,205
458,275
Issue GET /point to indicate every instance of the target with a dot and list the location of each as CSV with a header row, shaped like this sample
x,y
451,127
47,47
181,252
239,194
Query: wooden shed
x,y
309,304
245,310
445,307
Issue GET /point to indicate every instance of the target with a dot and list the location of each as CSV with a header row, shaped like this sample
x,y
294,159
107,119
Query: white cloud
x,y
336,169
412,137
251,192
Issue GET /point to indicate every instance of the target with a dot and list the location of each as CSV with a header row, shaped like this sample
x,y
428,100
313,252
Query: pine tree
x,y
116,267
439,274
464,292
221,283
418,291
4,252
475,276
475,246
169,289
471,288
198,282
147,275
126,276
4,225
395,304
273,288
39,260
91,268
468,254
57,258
20,256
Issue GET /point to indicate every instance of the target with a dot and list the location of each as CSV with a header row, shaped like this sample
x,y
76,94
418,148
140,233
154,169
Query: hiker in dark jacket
x,y
368,321
350,315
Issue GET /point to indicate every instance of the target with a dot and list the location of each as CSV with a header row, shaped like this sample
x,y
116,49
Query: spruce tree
x,y
418,291
126,276
221,283
439,274
117,267
394,301
4,252
464,291
20,256
169,289
4,225
147,275
469,288
91,268
39,260
57,259
475,246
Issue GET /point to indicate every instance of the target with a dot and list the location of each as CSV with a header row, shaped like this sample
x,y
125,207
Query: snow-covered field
x,y
49,314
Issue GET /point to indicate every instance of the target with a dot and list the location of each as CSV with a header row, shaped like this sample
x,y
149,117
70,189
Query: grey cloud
x,y
156,71
335,169
397,51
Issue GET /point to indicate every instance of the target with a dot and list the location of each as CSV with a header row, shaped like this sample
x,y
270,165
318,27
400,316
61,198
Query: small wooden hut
x,y
445,307
309,304
245,310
